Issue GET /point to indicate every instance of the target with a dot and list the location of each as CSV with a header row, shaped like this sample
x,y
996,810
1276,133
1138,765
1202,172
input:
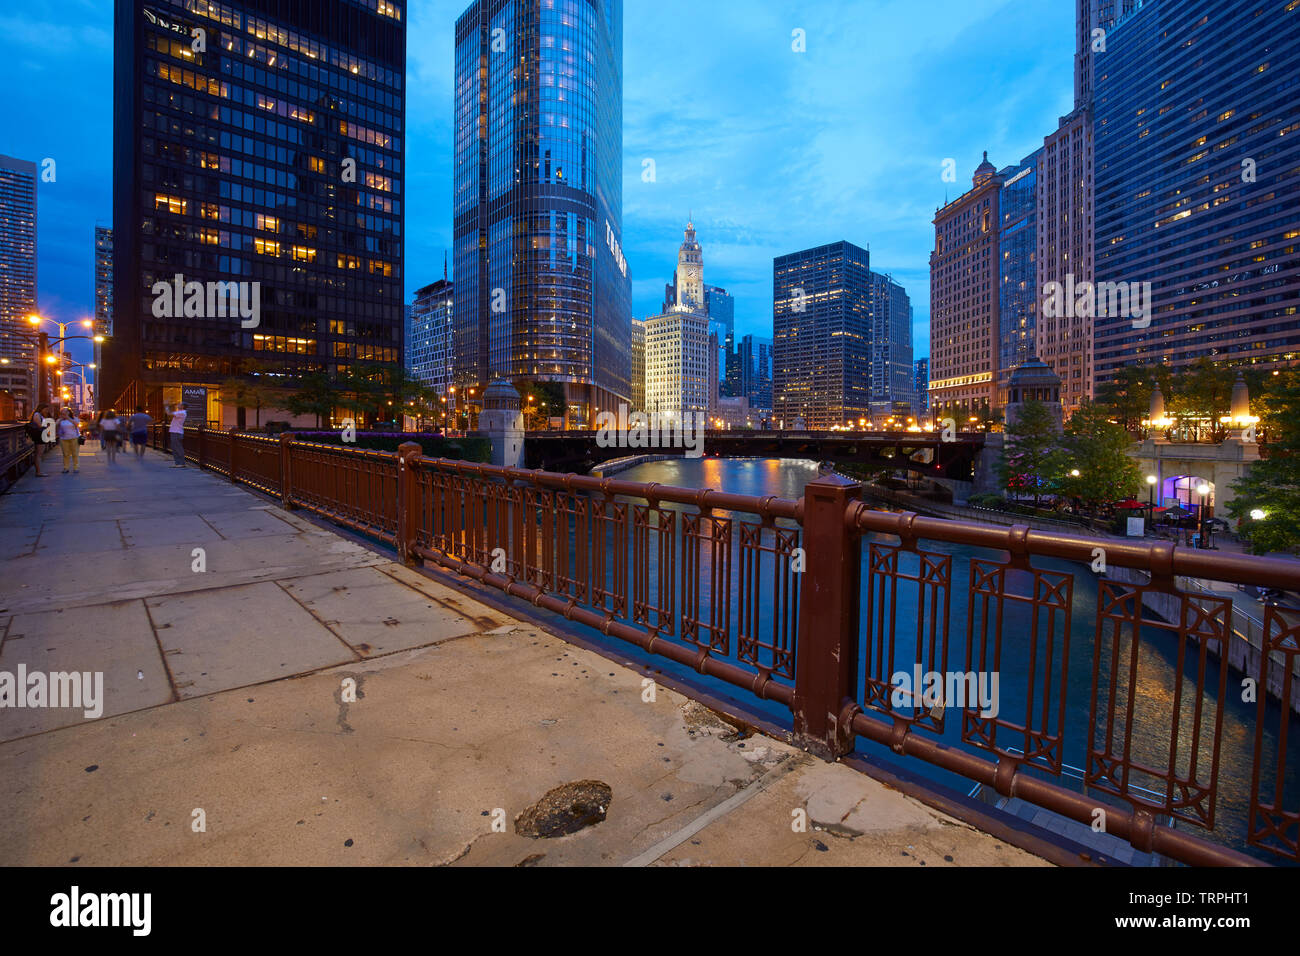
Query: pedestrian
x,y
111,430
69,434
176,432
36,432
140,423
97,430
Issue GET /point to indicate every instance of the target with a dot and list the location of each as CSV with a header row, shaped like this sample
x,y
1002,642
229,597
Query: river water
x,y
1154,692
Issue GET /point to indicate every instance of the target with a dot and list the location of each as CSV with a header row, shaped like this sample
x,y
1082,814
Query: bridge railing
x,y
817,604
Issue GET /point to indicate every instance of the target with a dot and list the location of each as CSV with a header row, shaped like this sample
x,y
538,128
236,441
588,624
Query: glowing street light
x,y
1259,514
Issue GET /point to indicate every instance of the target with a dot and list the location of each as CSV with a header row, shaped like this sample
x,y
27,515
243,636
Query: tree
x,y
1030,453
315,394
1096,447
1273,484
247,390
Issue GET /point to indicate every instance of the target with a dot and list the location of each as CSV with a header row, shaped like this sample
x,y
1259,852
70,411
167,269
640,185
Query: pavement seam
x,y
671,842
162,655
213,527
383,569
317,618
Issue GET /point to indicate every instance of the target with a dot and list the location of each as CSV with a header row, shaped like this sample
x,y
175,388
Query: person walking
x,y
139,429
69,433
111,430
176,433
36,432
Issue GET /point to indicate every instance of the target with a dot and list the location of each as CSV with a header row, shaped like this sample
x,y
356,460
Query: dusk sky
x,y
771,150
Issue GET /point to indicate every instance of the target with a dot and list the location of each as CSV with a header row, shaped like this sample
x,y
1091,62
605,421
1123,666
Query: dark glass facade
x,y
1197,132
542,288
1017,264
274,155
821,361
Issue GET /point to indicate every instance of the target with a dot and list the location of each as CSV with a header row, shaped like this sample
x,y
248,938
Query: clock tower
x,y
690,274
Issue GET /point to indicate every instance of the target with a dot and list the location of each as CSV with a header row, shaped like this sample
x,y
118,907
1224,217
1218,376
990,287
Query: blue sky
x,y
772,150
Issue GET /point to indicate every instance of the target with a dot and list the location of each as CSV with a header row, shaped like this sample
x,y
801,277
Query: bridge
x,y
791,617
924,452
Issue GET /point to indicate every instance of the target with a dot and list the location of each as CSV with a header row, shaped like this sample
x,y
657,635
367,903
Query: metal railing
x,y
16,453
814,604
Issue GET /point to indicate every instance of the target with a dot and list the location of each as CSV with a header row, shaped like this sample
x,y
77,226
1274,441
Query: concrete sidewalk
x,y
228,735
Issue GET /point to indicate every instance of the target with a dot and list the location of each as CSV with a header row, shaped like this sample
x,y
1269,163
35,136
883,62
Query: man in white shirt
x,y
176,432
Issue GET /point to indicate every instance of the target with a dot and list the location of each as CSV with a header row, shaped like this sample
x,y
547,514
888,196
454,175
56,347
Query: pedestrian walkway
x,y
276,693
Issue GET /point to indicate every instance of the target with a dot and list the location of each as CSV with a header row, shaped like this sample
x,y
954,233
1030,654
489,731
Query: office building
x,y
637,403
921,389
543,290
677,363
964,300
18,282
890,352
428,337
822,324
1197,138
720,307
1017,263
257,194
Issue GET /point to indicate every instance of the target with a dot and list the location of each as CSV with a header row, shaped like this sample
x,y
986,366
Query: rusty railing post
x,y
826,662
234,447
203,434
286,492
408,500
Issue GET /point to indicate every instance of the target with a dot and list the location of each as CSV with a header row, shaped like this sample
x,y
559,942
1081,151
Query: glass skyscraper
x,y
428,337
1197,137
1017,277
255,142
18,282
821,307
543,290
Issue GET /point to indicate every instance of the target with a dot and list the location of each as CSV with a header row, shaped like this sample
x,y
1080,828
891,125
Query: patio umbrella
x,y
1130,504
1178,512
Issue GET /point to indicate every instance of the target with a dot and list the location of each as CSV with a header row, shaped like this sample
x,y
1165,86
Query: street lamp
x,y
1203,490
1258,514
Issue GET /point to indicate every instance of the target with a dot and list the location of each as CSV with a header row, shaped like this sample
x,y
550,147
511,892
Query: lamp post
x,y
1203,490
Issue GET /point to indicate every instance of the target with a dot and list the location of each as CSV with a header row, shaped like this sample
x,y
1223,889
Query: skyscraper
x,y
720,307
821,301
677,363
18,281
1197,128
891,348
964,313
1017,276
542,287
637,403
428,337
103,289
257,192
921,369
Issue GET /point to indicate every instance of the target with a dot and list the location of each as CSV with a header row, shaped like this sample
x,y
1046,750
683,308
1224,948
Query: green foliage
x,y
313,394
1096,447
1273,484
1031,455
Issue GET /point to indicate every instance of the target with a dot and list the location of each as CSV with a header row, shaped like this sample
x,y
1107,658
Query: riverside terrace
x,y
758,638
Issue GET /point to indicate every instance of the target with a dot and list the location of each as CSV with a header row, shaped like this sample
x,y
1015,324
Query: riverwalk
x,y
276,693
